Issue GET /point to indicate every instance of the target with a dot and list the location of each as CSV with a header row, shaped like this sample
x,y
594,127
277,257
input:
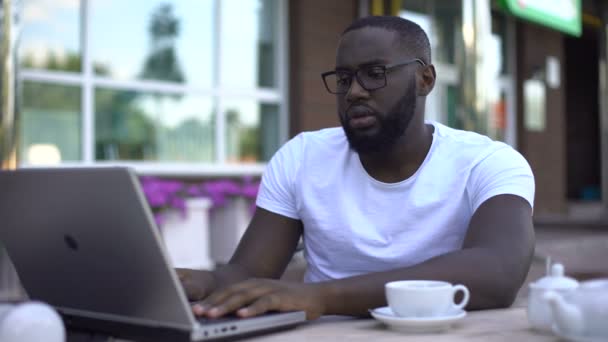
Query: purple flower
x,y
250,190
164,194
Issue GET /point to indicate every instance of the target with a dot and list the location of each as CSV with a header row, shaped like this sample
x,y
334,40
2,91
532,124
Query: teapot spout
x,y
568,317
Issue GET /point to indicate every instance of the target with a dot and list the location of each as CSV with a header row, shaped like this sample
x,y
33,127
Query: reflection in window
x,y
248,43
50,126
251,131
43,154
155,127
199,54
440,20
454,119
168,40
50,35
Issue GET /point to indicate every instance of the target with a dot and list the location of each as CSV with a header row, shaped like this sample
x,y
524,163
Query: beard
x,y
391,127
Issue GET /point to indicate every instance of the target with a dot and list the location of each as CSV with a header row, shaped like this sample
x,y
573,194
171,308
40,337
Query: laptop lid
x,y
84,241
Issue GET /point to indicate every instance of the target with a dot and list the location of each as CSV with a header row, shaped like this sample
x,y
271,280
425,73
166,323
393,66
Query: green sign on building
x,y
562,15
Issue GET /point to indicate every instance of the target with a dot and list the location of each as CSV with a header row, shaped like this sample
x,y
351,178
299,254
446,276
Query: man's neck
x,y
404,159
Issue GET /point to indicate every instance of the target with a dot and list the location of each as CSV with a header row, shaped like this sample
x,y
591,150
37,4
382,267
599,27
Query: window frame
x,y
88,82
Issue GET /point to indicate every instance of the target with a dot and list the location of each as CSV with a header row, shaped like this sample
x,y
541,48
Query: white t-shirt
x,y
355,224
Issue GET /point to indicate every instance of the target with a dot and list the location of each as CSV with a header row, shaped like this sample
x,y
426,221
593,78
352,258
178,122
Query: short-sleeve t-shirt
x,y
355,224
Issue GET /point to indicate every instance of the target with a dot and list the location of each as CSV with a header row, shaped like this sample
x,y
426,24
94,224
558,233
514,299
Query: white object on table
x,y
582,313
418,324
31,322
539,312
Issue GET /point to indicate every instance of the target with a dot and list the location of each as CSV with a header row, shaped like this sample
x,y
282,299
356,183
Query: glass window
x,y
441,21
145,126
168,40
50,35
452,104
498,90
199,55
252,132
50,124
248,48
500,36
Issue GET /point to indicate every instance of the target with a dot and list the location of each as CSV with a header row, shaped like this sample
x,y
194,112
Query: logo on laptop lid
x,y
71,242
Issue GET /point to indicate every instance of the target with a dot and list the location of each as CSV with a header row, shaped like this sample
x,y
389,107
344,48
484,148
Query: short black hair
x,y
411,35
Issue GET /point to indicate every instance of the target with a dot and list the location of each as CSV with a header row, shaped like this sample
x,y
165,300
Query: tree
x,y
162,62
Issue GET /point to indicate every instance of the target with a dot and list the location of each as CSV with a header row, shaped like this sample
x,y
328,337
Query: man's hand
x,y
197,283
257,296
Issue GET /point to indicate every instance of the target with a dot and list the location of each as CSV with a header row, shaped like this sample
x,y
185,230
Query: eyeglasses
x,y
369,77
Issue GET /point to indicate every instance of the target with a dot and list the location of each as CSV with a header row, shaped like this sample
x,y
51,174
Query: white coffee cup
x,y
424,298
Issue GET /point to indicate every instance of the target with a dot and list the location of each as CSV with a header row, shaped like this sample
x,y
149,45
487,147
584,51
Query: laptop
x,y
84,241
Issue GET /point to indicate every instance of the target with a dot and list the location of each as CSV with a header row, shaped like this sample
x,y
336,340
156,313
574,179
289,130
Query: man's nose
x,y
356,91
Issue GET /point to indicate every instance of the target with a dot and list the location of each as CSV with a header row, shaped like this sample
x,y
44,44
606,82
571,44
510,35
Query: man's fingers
x,y
217,297
232,303
198,309
260,306
235,298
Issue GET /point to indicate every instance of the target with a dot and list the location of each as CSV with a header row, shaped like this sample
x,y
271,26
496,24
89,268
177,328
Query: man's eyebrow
x,y
366,64
374,62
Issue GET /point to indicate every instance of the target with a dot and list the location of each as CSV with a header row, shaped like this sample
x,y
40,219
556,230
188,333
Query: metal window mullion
x,y
268,95
88,101
283,64
220,124
54,77
511,136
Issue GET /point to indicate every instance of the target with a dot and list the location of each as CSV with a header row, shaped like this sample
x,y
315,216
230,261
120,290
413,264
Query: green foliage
x,y
43,96
72,62
249,143
122,127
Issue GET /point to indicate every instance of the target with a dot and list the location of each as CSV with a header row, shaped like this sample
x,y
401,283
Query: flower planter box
x,y
186,236
227,224
227,214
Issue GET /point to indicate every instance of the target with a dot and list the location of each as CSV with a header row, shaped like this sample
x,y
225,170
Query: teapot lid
x,y
555,280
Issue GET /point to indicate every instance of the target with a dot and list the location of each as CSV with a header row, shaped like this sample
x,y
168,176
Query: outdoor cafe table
x,y
489,325
508,325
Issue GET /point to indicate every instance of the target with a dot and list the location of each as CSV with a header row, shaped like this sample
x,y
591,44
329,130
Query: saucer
x,y
417,324
573,338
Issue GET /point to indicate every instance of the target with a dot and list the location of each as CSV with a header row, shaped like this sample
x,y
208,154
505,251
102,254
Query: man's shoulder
x,y
459,138
467,145
315,144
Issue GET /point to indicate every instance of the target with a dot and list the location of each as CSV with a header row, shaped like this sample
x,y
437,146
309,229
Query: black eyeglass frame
x,y
355,73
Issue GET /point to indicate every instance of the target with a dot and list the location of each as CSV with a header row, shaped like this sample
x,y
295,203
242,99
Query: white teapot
x,y
582,313
539,312
31,322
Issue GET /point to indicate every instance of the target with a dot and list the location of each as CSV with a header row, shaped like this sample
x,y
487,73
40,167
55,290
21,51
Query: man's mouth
x,y
360,117
362,122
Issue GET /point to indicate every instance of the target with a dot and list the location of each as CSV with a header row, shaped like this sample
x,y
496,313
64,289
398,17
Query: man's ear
x,y
426,80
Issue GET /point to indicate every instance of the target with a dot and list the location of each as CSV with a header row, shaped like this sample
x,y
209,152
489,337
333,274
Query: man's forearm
x,y
491,285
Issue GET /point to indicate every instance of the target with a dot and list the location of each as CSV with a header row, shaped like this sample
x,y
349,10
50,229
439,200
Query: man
x,y
386,197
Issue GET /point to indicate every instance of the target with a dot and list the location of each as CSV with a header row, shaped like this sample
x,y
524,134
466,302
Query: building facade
x,y
212,88
527,81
